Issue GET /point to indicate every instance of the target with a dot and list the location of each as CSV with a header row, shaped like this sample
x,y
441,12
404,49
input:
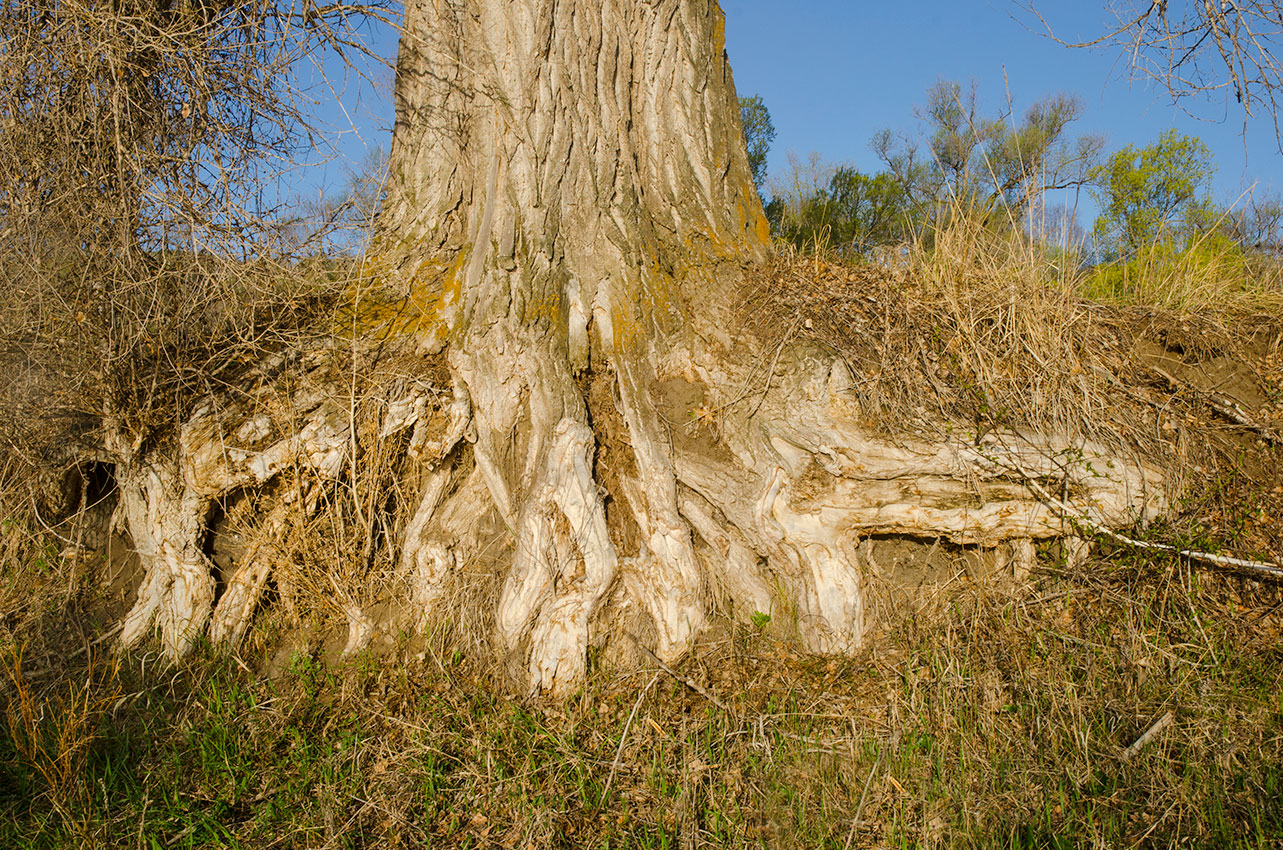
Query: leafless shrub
x,y
138,147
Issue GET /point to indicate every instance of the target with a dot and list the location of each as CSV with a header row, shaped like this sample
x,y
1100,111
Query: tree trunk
x,y
570,212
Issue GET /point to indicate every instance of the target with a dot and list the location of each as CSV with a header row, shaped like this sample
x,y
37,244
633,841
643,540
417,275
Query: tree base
x,y
667,485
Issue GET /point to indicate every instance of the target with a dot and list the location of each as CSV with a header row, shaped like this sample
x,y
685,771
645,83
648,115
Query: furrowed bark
x,y
555,165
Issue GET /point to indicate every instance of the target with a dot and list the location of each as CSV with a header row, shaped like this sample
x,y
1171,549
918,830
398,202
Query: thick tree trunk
x,y
569,206
559,170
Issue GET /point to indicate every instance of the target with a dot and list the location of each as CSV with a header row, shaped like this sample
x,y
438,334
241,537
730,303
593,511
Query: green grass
x,y
988,721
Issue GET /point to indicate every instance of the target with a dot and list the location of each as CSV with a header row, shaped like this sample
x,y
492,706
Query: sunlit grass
x,y
982,720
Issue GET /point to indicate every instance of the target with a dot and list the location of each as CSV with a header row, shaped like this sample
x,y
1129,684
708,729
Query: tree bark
x,y
559,169
570,213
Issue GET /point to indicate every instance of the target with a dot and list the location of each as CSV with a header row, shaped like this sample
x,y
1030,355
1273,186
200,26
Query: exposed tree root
x,y
766,507
569,204
166,520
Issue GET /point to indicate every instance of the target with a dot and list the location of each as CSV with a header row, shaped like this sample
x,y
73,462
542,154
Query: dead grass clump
x,y
980,332
129,350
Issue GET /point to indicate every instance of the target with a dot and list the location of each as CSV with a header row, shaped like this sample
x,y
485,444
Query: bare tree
x,y
1197,48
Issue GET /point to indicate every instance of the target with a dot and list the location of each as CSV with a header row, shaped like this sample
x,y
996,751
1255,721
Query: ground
x,y
990,706
984,716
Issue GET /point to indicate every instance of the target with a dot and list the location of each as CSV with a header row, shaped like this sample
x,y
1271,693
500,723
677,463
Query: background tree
x,y
1157,193
759,132
1257,225
849,211
342,223
988,164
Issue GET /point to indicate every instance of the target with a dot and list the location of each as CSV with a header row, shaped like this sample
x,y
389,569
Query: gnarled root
x,y
166,520
769,507
166,499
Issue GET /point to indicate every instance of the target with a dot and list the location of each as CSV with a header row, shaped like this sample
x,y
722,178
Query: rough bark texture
x,y
558,169
569,206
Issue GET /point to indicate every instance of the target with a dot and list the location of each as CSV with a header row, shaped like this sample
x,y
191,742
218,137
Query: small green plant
x,y
760,620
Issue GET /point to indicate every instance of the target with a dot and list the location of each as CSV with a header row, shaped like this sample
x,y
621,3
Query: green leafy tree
x,y
869,210
1157,194
958,135
850,212
1035,156
759,132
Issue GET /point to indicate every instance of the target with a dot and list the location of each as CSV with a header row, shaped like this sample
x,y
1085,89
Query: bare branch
x,y
1197,49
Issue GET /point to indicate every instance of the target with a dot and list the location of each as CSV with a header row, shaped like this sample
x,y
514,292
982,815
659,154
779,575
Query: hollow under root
x,y
235,608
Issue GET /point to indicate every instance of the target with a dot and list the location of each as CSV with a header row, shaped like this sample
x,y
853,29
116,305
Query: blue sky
x,y
833,73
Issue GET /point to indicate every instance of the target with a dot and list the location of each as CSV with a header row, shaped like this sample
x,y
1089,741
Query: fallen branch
x,y
1067,512
1139,744
623,737
1266,567
1224,405
690,683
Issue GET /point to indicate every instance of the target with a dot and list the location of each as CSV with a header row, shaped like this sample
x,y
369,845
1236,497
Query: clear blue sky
x,y
832,72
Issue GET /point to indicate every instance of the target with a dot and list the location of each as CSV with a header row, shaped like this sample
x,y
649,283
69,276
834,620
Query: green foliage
x,y
962,163
851,213
1209,271
759,132
1153,195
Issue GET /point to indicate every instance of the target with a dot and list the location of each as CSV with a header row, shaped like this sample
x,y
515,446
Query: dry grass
x,y
978,719
981,331
53,734
92,353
